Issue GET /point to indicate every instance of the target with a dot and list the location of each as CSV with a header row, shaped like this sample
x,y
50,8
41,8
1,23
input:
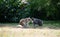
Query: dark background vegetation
x,y
14,10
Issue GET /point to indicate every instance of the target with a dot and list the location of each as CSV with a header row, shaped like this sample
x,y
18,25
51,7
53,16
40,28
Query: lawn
x,y
49,29
46,24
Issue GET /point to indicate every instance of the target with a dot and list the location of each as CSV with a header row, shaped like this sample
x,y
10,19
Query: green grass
x,y
49,24
52,24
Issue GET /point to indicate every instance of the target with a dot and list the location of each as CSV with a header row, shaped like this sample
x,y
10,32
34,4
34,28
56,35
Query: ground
x,y
28,32
47,30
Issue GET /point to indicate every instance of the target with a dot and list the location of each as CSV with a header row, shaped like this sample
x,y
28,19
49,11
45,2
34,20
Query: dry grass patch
x,y
21,32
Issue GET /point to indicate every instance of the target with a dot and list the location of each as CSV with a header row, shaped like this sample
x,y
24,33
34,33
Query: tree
x,y
13,10
38,8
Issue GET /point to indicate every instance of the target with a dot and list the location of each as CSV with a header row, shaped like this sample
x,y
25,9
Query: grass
x,y
49,24
49,29
19,32
52,24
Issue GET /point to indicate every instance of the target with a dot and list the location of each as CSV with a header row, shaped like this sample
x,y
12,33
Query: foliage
x,y
14,10
45,9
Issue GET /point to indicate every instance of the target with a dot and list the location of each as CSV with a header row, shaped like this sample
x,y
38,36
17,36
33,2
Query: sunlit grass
x,y
50,29
19,32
